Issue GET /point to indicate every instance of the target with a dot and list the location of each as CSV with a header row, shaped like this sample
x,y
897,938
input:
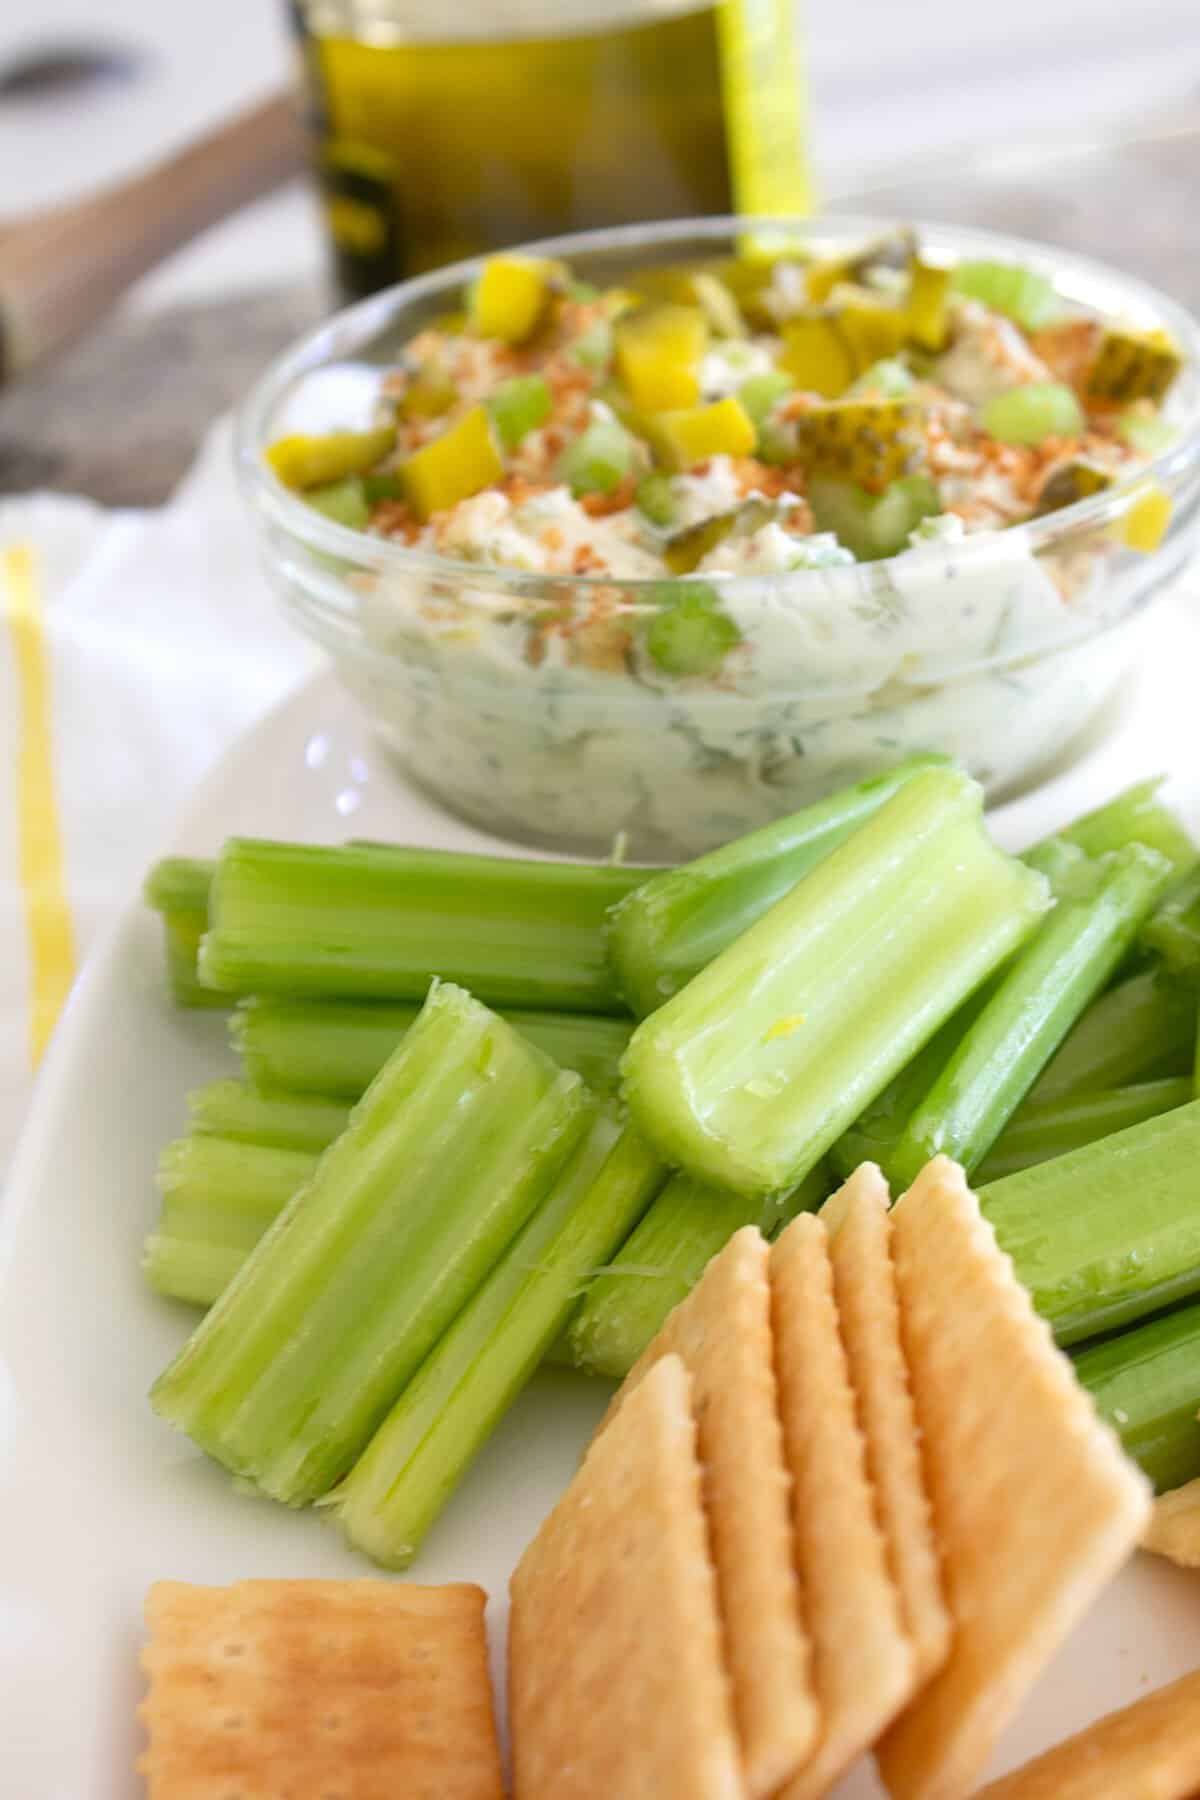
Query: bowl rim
x,y
366,319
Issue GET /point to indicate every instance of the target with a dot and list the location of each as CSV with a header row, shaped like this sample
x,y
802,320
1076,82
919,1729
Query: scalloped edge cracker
x,y
863,1663
1034,1502
343,1688
1147,1751
1174,1527
616,1680
864,1281
722,1331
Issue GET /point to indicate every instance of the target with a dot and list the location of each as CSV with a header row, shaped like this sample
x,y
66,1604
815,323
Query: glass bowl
x,y
996,650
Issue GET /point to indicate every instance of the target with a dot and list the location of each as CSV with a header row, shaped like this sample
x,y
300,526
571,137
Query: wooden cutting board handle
x,y
61,270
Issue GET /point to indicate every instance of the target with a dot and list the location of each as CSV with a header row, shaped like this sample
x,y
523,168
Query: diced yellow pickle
x,y
1071,481
873,442
304,462
618,300
685,550
892,251
689,435
429,394
816,354
462,462
695,287
657,350
749,278
508,299
1132,365
929,286
873,327
1144,526
823,277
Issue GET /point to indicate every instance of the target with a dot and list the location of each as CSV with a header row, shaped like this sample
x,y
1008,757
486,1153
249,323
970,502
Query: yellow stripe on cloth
x,y
39,839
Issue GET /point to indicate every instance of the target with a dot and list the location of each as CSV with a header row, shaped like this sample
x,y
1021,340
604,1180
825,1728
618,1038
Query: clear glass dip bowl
x,y
996,650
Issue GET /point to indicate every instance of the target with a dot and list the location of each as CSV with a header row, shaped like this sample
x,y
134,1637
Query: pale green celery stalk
x,y
460,1393
1109,1233
1036,1133
453,1146
1146,1383
234,1109
177,888
878,1129
749,1075
366,922
676,922
1174,931
218,1198
336,1048
661,1262
1141,1030
1059,972
1134,816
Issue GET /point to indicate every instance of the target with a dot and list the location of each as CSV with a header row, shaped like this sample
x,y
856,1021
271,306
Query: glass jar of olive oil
x,y
442,131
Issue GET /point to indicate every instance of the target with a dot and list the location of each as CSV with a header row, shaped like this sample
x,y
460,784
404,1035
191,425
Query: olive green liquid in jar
x,y
442,131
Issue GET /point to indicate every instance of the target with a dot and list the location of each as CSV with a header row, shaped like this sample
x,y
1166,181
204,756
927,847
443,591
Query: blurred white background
x,y
891,82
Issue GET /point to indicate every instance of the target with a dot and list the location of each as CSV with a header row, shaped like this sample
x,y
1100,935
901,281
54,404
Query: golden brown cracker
x,y
334,1690
864,1285
722,1331
1174,1526
616,1680
1035,1505
862,1661
1148,1751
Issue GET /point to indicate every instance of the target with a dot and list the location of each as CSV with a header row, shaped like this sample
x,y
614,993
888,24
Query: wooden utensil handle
x,y
60,270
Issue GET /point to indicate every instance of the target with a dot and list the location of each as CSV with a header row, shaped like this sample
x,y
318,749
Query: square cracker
x,y
864,1285
1174,1528
1148,1751
321,1690
722,1331
616,1684
1034,1503
863,1663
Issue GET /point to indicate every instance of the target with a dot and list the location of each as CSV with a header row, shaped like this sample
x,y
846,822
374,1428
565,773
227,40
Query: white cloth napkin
x,y
134,646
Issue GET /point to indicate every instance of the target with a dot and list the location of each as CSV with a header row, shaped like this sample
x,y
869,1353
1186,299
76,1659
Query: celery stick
x,y
1142,1029
179,884
1134,816
875,1133
219,1197
1174,931
191,1269
419,1454
662,1261
1146,1383
1035,1133
333,1048
363,921
336,1048
670,927
234,1109
177,887
747,1076
1106,1234
1065,965
452,1147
